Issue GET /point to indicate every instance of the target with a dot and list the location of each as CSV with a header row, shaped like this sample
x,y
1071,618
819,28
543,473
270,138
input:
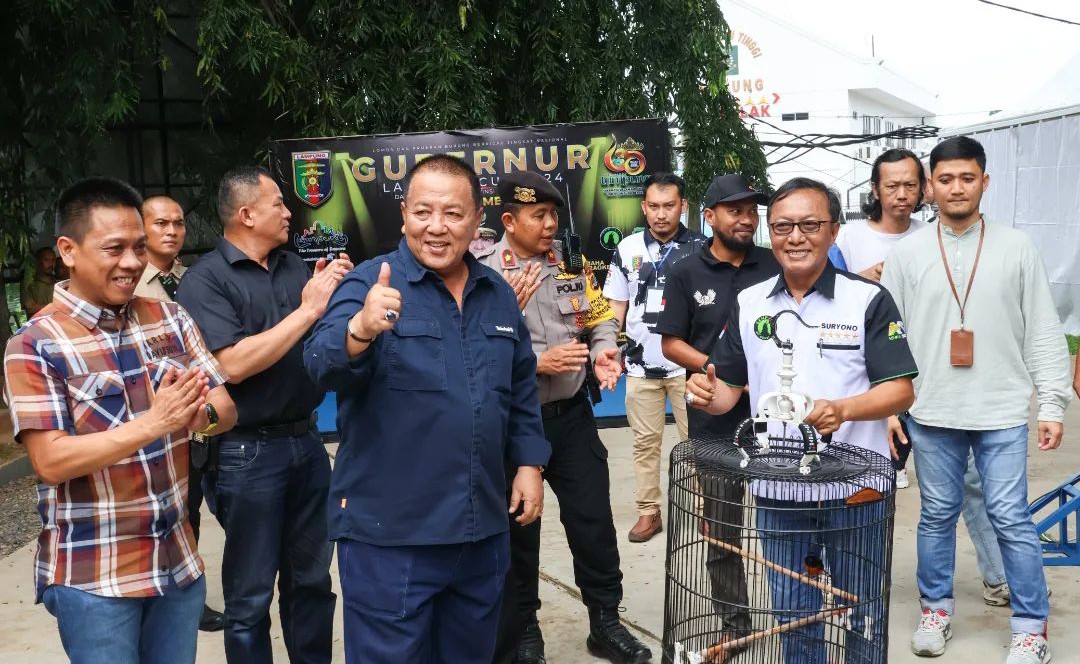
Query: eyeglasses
x,y
807,227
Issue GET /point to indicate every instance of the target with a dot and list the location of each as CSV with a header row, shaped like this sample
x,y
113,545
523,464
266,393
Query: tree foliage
x,y
284,68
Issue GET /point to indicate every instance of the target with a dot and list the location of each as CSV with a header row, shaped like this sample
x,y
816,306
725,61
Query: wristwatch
x,y
211,419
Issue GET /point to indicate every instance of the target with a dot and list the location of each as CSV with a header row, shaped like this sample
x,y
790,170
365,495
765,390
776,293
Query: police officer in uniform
x,y
571,327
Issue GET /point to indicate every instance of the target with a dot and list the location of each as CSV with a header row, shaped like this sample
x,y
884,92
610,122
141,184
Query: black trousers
x,y
902,451
195,499
578,474
723,520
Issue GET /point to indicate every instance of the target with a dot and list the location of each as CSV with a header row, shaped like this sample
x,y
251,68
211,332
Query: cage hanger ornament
x,y
784,405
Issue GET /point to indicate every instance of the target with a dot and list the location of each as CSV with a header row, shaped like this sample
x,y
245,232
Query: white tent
x,y
1033,159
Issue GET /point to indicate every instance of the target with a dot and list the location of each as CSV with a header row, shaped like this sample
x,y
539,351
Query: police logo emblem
x,y
575,303
524,195
765,328
313,180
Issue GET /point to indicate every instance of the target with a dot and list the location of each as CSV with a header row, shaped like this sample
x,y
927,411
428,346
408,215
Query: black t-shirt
x,y
698,299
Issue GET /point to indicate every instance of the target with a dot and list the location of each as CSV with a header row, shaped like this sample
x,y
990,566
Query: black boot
x,y
609,640
530,648
211,620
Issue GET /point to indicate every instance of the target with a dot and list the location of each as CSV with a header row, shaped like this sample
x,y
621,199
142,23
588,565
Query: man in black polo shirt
x,y
698,299
255,304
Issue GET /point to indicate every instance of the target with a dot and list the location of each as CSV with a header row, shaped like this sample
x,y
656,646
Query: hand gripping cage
x,y
769,564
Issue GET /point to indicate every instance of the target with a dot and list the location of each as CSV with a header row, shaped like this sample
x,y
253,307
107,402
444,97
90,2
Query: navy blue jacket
x,y
433,412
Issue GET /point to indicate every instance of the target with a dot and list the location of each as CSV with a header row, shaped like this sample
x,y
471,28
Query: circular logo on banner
x,y
610,238
765,328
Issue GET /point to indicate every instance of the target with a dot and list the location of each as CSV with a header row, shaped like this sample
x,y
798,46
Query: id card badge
x,y
962,348
654,301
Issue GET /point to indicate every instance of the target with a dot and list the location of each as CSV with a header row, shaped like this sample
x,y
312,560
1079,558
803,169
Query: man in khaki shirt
x,y
163,223
571,325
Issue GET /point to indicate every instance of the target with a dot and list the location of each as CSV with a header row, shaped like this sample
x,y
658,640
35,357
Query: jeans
x,y
987,551
1001,460
422,604
270,497
852,541
128,630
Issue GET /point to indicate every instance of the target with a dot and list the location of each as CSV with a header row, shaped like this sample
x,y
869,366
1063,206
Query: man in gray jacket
x,y
983,329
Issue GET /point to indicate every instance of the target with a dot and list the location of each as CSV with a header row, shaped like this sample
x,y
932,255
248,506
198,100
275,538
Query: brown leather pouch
x,y
962,348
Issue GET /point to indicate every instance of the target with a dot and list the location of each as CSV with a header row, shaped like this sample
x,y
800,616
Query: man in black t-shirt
x,y
698,299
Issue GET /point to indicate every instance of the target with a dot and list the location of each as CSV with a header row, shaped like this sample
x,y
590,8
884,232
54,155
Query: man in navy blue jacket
x,y
436,383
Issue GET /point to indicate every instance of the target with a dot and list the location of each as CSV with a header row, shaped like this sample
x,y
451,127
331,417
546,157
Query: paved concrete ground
x,y
28,633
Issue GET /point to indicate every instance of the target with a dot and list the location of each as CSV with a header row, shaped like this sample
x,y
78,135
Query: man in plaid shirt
x,y
104,389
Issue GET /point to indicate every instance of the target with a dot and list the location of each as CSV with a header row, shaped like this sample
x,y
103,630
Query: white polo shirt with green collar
x,y
857,341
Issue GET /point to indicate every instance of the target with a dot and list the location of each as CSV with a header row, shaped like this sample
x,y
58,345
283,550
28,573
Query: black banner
x,y
345,193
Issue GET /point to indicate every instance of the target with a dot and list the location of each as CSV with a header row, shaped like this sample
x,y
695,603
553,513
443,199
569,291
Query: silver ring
x,y
689,398
390,315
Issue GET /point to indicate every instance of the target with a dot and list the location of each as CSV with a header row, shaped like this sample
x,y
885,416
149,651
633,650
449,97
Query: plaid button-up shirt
x,y
121,531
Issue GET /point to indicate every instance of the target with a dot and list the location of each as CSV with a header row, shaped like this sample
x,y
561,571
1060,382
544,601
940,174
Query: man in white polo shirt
x,y
853,361
635,289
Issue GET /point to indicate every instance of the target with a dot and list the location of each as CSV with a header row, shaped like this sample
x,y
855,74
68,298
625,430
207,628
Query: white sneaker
x,y
902,481
1029,649
931,634
998,595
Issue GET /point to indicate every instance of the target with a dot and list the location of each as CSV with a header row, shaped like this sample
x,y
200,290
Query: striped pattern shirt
x,y
121,531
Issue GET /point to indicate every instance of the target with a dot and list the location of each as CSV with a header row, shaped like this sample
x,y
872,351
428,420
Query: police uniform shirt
x,y
639,270
232,297
565,307
698,298
857,341
151,285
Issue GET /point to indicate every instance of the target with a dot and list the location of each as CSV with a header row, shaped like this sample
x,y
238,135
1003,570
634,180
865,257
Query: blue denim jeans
x,y
852,541
128,630
987,551
270,497
941,457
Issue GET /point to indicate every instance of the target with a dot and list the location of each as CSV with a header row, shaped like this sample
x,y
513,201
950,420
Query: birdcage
x,y
771,562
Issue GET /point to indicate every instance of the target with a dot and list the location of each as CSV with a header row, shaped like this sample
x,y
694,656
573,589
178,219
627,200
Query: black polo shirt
x,y
698,299
232,297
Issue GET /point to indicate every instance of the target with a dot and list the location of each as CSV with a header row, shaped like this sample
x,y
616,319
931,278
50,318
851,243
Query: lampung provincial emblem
x,y
313,180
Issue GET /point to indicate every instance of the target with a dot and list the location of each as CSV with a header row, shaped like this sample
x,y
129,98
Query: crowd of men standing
x,y
463,383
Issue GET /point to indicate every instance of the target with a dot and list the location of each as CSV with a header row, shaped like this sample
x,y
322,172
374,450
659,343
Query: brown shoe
x,y
646,527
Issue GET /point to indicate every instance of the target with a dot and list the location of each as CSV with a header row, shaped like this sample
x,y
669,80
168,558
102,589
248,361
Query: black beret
x,y
527,187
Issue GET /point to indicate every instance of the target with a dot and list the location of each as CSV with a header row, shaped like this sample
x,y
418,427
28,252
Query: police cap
x,y
526,188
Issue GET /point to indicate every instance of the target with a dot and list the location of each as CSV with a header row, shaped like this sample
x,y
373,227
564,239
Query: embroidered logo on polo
x,y
704,300
764,328
897,331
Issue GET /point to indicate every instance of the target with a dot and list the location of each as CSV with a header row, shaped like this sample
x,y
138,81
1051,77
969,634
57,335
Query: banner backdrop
x,y
345,193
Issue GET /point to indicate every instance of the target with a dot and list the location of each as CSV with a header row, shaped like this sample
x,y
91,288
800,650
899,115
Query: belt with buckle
x,y
562,406
286,430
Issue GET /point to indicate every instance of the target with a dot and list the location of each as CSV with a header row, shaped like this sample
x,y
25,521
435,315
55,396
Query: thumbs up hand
x,y
382,307
701,388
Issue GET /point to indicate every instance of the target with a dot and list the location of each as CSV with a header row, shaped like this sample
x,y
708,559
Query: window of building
x,y
790,117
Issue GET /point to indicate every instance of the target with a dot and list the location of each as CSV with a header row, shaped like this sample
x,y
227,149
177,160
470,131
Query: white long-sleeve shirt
x,y
1019,341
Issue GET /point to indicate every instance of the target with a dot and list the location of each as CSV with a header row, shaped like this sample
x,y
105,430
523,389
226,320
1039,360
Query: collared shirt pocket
x,y
575,303
501,340
415,354
158,368
96,401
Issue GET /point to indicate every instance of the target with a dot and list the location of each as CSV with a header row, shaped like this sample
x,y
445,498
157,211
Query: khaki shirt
x,y
150,286
37,292
562,309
